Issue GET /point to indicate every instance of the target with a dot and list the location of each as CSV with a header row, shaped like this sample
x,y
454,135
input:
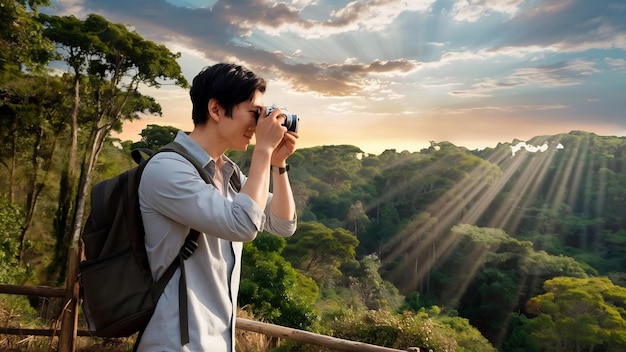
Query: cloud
x,y
347,79
567,26
557,62
619,64
559,74
473,10
217,31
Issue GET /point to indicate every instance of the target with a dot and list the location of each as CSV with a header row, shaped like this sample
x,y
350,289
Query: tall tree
x,y
116,62
32,108
320,251
76,46
113,62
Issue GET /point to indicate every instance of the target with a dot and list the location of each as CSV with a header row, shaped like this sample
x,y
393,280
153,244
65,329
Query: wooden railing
x,y
242,324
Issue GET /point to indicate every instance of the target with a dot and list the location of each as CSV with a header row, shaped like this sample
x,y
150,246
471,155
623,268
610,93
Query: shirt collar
x,y
201,156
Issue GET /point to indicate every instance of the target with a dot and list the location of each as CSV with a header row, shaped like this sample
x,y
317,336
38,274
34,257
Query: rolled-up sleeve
x,y
272,223
277,226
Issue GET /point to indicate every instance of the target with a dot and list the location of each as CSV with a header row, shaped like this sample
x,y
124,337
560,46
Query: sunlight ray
x,y
427,236
445,210
601,189
562,185
579,163
447,207
474,213
512,222
522,192
457,288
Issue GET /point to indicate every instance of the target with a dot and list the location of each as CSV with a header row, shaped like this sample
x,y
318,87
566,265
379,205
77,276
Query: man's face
x,y
240,128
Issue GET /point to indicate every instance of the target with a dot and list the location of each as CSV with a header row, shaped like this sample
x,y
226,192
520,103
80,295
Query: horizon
x,y
398,74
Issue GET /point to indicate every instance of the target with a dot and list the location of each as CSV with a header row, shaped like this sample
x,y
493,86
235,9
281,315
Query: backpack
x,y
118,292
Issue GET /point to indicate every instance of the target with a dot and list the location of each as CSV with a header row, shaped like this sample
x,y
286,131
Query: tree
x,y
375,292
154,136
579,315
33,109
21,42
11,220
115,62
272,288
487,274
319,251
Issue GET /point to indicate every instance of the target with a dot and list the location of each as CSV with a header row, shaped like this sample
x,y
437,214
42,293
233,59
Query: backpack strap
x,y
190,245
234,181
141,154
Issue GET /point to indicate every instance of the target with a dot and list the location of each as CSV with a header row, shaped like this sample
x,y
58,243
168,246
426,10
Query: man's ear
x,y
215,110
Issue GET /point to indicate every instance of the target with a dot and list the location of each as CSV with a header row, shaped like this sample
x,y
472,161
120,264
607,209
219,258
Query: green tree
x,y
33,109
272,288
11,220
488,274
375,292
21,41
154,136
579,315
320,251
115,61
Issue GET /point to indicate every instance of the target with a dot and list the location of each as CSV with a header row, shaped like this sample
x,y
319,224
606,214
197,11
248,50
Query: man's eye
x,y
257,113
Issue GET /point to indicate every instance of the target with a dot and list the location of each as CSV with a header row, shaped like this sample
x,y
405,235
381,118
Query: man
x,y
227,112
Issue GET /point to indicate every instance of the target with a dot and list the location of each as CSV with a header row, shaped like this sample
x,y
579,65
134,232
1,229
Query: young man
x,y
227,112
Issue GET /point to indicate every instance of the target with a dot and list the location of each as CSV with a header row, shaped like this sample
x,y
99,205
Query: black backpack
x,y
116,286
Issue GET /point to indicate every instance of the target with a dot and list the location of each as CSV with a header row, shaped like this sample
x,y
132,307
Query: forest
x,y
501,249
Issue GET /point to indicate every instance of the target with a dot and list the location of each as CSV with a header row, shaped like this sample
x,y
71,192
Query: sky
x,y
398,74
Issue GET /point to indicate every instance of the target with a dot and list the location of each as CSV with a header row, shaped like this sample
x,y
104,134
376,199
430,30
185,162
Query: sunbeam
x,y
427,240
523,191
427,236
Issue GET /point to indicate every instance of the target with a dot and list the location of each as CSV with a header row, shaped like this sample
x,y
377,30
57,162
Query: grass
x,y
16,312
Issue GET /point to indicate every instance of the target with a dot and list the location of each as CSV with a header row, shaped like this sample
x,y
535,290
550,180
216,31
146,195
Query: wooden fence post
x,y
69,315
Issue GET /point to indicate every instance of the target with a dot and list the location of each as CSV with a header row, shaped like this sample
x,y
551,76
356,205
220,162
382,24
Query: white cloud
x,y
616,63
368,16
473,10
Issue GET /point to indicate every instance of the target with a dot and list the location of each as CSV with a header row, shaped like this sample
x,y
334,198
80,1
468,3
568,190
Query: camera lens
x,y
291,120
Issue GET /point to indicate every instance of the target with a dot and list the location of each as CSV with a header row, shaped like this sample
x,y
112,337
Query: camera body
x,y
291,120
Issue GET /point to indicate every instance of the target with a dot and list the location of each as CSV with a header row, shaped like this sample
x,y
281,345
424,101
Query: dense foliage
x,y
475,232
579,314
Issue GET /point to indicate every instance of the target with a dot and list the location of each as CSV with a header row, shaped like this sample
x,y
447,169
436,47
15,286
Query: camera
x,y
291,120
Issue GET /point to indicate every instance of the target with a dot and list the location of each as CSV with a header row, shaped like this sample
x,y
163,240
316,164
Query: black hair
x,y
229,84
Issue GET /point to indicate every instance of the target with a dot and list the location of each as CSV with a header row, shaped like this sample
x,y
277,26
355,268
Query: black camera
x,y
291,120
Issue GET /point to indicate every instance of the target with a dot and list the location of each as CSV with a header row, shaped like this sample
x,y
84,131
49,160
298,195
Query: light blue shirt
x,y
174,198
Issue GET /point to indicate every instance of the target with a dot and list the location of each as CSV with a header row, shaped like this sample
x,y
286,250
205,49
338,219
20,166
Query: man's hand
x,y
269,130
285,148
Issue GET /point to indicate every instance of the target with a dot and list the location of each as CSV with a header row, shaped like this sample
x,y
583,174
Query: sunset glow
x,y
398,74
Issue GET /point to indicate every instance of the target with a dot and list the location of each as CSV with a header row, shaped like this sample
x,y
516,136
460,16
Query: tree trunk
x,y
70,316
12,167
36,188
31,198
63,220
